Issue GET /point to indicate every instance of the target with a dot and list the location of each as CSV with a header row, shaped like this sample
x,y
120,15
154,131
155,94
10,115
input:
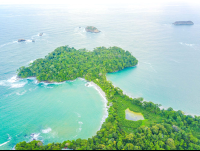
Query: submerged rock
x,y
20,40
183,23
92,29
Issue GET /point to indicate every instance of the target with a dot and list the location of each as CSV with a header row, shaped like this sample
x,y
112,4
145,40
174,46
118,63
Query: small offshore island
x,y
92,29
183,23
156,129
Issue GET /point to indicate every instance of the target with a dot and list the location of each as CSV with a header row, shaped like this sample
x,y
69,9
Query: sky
x,y
88,2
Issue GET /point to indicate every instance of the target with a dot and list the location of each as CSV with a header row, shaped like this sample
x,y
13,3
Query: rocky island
x,y
21,40
183,23
92,29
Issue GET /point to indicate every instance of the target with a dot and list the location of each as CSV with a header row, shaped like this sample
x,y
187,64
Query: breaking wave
x,y
9,43
22,93
9,138
18,85
4,143
35,136
13,82
47,130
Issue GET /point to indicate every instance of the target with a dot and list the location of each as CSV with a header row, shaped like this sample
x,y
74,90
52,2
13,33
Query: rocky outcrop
x,y
183,23
21,40
92,29
40,34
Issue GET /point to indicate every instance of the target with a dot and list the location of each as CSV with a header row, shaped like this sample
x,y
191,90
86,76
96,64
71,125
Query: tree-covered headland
x,y
161,129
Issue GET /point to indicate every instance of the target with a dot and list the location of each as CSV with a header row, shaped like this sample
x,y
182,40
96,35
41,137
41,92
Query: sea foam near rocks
x,y
35,136
13,82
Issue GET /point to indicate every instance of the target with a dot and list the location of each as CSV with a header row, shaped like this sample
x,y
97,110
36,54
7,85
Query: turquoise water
x,y
49,112
168,72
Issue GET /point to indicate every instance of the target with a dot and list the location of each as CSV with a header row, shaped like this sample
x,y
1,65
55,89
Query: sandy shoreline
x,y
103,95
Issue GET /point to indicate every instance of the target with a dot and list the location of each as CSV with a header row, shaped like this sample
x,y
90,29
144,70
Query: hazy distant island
x,y
183,23
21,40
92,29
132,124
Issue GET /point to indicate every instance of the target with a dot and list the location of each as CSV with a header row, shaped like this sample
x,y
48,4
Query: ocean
x,y
168,72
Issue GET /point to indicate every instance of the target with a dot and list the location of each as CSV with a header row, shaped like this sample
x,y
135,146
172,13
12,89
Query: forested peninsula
x,y
161,129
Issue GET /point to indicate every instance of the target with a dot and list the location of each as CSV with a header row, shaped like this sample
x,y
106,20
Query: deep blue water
x,y
168,72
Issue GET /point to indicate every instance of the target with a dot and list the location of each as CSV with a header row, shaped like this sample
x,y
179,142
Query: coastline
x,y
161,107
103,95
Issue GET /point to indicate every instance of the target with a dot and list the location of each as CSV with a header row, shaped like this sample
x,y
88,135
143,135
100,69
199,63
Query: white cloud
x,y
93,2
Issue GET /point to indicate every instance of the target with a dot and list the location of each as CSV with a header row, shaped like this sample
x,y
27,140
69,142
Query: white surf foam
x,y
3,83
32,37
48,87
22,93
28,41
9,138
13,79
189,44
13,82
4,143
47,130
9,43
35,136
75,136
80,122
82,79
47,83
31,61
186,44
78,130
18,85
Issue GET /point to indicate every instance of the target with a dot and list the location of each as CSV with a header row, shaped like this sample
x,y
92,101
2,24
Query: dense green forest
x,y
161,129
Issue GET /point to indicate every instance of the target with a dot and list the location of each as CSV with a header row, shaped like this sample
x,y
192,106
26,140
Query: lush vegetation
x,y
161,129
91,29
